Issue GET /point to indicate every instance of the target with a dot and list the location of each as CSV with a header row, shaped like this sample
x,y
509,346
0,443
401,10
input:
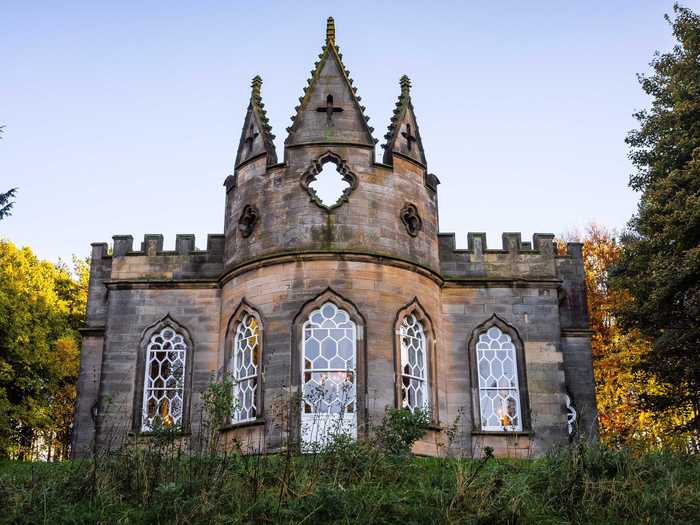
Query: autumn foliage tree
x,y
618,353
42,306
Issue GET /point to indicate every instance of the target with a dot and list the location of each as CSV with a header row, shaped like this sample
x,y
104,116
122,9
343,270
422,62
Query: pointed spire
x,y
403,137
256,137
330,110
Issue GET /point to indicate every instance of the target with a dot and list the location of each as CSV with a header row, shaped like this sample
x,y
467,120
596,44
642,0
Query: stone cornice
x,y
315,255
130,284
500,282
576,332
95,331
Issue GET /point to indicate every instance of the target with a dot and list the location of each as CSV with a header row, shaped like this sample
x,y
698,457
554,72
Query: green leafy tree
x,y
660,261
42,305
6,202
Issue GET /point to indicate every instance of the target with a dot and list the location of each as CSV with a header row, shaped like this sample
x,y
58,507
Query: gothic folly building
x,y
330,312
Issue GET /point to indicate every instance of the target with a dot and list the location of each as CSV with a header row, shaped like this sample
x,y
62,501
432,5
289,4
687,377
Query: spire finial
x,y
405,85
330,31
256,84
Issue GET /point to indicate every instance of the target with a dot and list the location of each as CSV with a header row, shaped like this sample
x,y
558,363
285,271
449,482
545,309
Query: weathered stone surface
x,y
361,253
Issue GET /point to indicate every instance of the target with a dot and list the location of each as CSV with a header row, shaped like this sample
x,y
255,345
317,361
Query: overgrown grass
x,y
354,483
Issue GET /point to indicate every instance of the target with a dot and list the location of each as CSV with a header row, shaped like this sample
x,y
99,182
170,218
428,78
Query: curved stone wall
x,y
369,222
280,289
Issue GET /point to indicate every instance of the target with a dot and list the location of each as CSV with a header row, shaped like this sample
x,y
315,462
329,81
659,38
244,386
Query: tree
x,y
659,265
6,203
42,305
617,353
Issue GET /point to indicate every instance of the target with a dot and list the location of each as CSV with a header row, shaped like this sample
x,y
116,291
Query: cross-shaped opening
x,y
329,185
329,109
410,138
250,138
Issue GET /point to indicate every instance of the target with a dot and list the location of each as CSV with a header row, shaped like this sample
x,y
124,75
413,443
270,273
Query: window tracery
x,y
413,364
164,382
243,367
329,361
499,392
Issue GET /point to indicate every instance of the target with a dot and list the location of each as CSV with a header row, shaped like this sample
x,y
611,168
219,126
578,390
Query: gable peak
x,y
329,111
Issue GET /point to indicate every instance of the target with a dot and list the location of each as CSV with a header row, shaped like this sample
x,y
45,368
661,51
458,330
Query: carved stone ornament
x,y
248,220
571,416
411,219
309,176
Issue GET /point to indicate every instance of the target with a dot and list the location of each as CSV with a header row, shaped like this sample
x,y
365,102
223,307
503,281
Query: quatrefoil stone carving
x,y
411,220
310,175
248,220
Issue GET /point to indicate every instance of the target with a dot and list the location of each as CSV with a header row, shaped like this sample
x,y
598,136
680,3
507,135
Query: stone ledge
x,y
95,331
243,424
130,284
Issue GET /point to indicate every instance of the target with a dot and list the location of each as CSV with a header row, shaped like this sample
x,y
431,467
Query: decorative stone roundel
x,y
248,220
411,220
309,176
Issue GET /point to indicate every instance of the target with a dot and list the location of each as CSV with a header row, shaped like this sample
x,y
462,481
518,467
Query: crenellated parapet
x,y
152,263
518,259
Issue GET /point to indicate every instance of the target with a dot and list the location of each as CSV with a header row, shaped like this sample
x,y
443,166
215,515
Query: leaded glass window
x,y
499,395
244,368
414,390
329,362
164,383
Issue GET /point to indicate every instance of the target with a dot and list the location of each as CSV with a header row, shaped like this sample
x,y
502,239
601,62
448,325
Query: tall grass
x,y
349,482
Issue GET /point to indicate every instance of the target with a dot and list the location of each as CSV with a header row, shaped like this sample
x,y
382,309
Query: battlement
x,y
517,259
151,262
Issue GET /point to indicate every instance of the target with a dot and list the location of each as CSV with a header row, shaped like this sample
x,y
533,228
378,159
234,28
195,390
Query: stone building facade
x,y
326,314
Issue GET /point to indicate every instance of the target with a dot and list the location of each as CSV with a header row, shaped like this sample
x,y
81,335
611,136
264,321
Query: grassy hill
x,y
354,483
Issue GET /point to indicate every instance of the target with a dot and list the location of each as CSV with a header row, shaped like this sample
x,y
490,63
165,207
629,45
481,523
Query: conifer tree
x,y
6,202
660,260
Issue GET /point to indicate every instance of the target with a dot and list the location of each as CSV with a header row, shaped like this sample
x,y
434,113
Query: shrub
x,y
400,429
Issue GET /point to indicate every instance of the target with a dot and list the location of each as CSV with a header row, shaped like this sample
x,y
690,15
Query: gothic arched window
x,y
414,364
497,368
329,330
244,368
414,360
164,381
329,362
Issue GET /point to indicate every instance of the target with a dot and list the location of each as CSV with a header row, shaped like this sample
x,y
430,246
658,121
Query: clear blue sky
x,y
123,118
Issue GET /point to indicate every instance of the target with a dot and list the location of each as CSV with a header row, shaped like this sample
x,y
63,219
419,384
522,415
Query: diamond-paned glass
x,y
164,382
244,368
499,396
414,390
328,362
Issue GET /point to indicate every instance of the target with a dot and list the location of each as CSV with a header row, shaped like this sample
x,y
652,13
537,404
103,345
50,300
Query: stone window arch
x,y
243,362
164,377
499,384
332,324
414,359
